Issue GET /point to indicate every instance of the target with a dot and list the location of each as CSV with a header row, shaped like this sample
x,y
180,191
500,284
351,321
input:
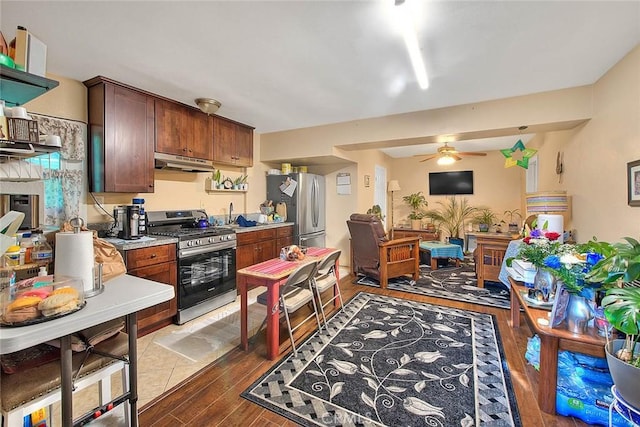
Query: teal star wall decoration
x,y
527,153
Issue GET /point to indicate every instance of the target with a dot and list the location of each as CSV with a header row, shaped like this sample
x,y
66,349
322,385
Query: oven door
x,y
203,275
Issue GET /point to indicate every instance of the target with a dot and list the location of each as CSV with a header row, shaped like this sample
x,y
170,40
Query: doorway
x,y
380,190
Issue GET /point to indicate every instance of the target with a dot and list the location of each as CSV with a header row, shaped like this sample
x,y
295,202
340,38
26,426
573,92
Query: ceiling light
x,y
208,105
405,17
446,160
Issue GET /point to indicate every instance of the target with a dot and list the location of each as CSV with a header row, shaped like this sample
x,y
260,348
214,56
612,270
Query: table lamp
x,y
393,185
550,207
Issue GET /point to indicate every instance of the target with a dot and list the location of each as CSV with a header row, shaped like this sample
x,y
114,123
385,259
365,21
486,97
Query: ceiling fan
x,y
447,155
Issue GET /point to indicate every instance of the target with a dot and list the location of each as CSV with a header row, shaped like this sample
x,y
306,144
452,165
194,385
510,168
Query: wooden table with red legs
x,y
552,340
271,274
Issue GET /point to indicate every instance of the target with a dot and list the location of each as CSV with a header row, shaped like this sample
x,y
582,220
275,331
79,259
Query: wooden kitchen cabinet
x,y
157,263
121,138
183,131
256,246
232,143
284,237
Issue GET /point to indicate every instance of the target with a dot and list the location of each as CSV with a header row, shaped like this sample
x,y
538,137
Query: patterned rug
x,y
389,361
450,282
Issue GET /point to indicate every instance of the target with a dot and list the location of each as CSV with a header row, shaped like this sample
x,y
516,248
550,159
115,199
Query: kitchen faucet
x,y
230,212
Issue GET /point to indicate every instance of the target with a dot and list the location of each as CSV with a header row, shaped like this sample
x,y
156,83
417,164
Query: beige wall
x,y
494,185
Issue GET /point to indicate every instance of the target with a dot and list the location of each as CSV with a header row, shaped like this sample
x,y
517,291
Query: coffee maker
x,y
128,217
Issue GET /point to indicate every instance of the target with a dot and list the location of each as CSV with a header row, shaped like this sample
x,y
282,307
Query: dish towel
x,y
244,222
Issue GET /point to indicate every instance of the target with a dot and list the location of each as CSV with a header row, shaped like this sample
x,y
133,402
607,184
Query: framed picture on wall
x,y
633,183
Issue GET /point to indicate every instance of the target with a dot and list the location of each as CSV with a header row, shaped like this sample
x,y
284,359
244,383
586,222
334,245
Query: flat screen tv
x,y
450,183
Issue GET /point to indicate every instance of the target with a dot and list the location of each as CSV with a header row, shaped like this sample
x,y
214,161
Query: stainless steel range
x,y
206,260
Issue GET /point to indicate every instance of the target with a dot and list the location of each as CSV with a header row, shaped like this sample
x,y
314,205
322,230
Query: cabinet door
x,y
244,146
201,139
162,313
245,256
172,128
266,250
121,140
224,141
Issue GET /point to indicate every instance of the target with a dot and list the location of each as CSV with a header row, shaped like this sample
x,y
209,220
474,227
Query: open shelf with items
x,y
19,87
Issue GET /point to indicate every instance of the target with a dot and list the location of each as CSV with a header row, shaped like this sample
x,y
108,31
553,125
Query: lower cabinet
x,y
261,245
157,263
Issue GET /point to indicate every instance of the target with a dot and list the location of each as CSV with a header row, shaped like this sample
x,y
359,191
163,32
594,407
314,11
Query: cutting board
x,y
281,210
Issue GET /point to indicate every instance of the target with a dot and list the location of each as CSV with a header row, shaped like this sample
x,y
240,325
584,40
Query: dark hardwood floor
x,y
211,397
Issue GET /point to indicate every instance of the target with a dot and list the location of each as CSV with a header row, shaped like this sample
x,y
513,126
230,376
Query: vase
x,y
578,314
544,284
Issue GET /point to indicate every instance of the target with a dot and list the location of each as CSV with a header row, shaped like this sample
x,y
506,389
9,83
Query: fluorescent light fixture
x,y
405,20
445,160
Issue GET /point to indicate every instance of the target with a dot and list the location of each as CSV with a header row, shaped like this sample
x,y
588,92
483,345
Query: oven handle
x,y
206,249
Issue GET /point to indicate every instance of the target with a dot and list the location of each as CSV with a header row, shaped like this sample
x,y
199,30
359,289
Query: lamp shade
x,y
393,185
547,202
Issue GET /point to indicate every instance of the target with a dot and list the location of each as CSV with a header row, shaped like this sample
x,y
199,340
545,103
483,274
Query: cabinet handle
x,y
153,255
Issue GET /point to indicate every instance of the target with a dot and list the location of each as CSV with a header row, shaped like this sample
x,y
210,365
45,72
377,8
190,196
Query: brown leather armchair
x,y
378,257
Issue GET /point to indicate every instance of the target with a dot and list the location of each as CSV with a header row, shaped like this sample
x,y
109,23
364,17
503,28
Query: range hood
x,y
188,164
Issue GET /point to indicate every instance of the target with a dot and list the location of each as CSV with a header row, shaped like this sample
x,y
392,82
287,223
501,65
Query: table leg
x,y
515,309
132,330
273,320
548,373
66,385
434,263
242,288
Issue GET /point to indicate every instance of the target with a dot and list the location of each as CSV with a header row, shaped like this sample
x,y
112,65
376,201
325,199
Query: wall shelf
x,y
226,191
18,87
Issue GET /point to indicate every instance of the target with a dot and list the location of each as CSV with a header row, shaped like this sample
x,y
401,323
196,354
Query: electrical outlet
x,y
99,200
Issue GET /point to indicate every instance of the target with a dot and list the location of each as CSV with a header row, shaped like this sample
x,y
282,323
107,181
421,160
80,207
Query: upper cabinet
x,y
18,87
232,143
121,135
183,131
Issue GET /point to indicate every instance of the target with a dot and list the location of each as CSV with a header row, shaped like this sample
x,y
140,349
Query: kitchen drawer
x,y
284,231
255,236
136,258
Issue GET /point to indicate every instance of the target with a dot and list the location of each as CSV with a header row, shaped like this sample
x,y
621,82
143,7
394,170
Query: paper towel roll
x,y
552,223
74,257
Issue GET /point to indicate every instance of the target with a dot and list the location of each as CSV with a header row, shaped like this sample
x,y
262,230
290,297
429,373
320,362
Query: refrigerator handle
x,y
314,202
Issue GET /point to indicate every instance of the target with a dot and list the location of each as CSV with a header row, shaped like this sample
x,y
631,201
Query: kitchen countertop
x,y
144,242
239,229
149,241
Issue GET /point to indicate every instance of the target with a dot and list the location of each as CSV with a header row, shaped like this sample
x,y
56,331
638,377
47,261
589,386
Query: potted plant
x,y
377,211
484,217
621,265
417,202
514,226
450,217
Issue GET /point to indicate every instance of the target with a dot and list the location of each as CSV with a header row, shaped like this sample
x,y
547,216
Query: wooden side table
x,y
552,340
399,233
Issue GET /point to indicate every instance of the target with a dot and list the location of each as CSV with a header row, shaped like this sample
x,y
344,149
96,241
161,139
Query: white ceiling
x,y
280,65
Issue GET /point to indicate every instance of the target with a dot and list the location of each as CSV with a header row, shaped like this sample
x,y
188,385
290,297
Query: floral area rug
x,y
388,362
449,282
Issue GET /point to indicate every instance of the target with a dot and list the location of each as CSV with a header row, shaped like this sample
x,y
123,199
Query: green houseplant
x,y
417,202
450,216
484,217
377,211
621,265
514,226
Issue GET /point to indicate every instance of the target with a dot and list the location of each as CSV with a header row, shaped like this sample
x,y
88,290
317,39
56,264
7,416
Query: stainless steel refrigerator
x,y
305,205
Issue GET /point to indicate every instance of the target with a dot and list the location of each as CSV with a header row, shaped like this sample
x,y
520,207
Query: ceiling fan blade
x,y
455,156
471,154
428,158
